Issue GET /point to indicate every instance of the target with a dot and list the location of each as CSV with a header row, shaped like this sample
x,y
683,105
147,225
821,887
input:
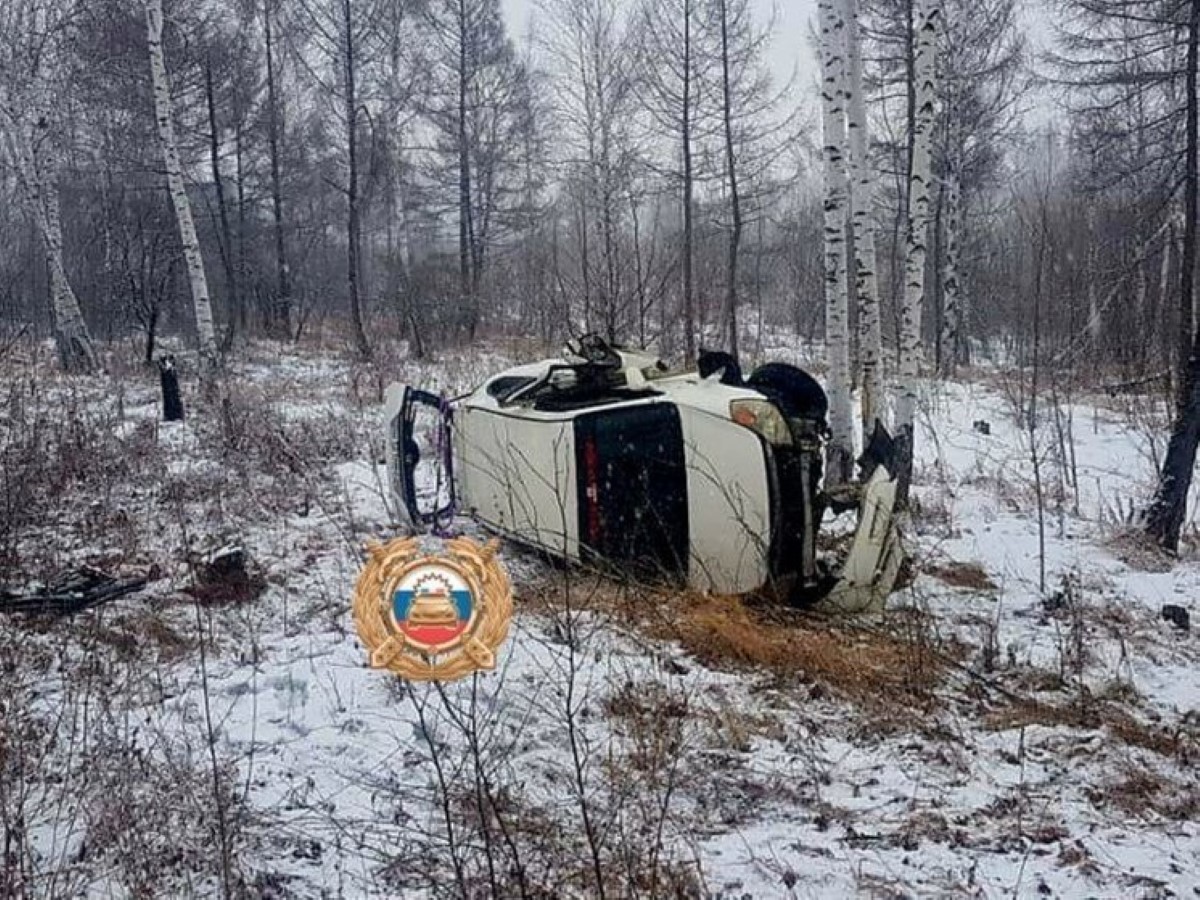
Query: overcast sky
x,y
791,50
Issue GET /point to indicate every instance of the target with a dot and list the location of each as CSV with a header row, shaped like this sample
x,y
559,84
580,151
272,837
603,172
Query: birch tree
x,y
837,197
950,340
39,187
862,206
198,282
921,175
28,113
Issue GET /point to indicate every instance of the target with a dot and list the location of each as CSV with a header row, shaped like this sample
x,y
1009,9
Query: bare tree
x,y
346,35
731,174
1164,520
982,81
755,127
479,103
1132,72
674,66
349,60
228,261
280,319
595,108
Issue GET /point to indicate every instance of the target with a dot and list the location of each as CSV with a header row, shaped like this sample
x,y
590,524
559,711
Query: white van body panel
x,y
517,475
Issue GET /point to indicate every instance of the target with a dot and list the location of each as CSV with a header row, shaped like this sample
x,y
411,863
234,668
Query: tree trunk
x,y
951,336
1164,519
689,300
1095,323
1141,282
354,223
920,178
466,281
1187,318
239,174
201,304
172,398
840,454
735,203
281,319
214,158
862,206
76,352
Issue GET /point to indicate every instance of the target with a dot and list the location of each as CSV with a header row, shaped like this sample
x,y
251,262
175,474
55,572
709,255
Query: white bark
x,y
928,13
40,189
952,307
837,192
205,332
1095,323
862,216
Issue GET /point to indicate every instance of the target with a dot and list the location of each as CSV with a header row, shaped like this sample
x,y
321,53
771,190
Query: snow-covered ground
x,y
985,737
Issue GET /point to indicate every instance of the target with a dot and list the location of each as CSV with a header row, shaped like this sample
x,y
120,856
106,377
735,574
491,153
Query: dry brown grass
x,y
1096,715
1143,792
888,663
1134,548
969,576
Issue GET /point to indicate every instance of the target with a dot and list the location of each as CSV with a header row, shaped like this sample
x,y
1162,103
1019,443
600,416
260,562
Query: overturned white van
x,y
605,456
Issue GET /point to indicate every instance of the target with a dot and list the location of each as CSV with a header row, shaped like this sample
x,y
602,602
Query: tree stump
x,y
227,576
172,399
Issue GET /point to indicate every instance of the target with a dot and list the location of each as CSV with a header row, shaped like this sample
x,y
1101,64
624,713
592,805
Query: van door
x,y
425,497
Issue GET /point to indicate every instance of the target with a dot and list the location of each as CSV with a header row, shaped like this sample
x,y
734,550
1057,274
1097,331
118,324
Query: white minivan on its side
x,y
605,456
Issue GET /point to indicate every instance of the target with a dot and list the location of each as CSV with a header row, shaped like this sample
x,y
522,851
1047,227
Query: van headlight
x,y
764,417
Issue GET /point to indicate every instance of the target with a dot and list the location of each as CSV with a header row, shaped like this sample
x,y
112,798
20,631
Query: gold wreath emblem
x,y
435,641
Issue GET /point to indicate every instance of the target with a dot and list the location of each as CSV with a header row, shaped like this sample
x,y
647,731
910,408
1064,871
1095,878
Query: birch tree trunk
x,y
201,303
928,14
76,352
862,206
952,312
837,194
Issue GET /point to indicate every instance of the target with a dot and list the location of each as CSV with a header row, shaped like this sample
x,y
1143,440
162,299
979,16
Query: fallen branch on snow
x,y
70,594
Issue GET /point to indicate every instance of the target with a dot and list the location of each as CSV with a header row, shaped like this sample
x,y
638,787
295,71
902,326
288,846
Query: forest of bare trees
x,y
413,170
